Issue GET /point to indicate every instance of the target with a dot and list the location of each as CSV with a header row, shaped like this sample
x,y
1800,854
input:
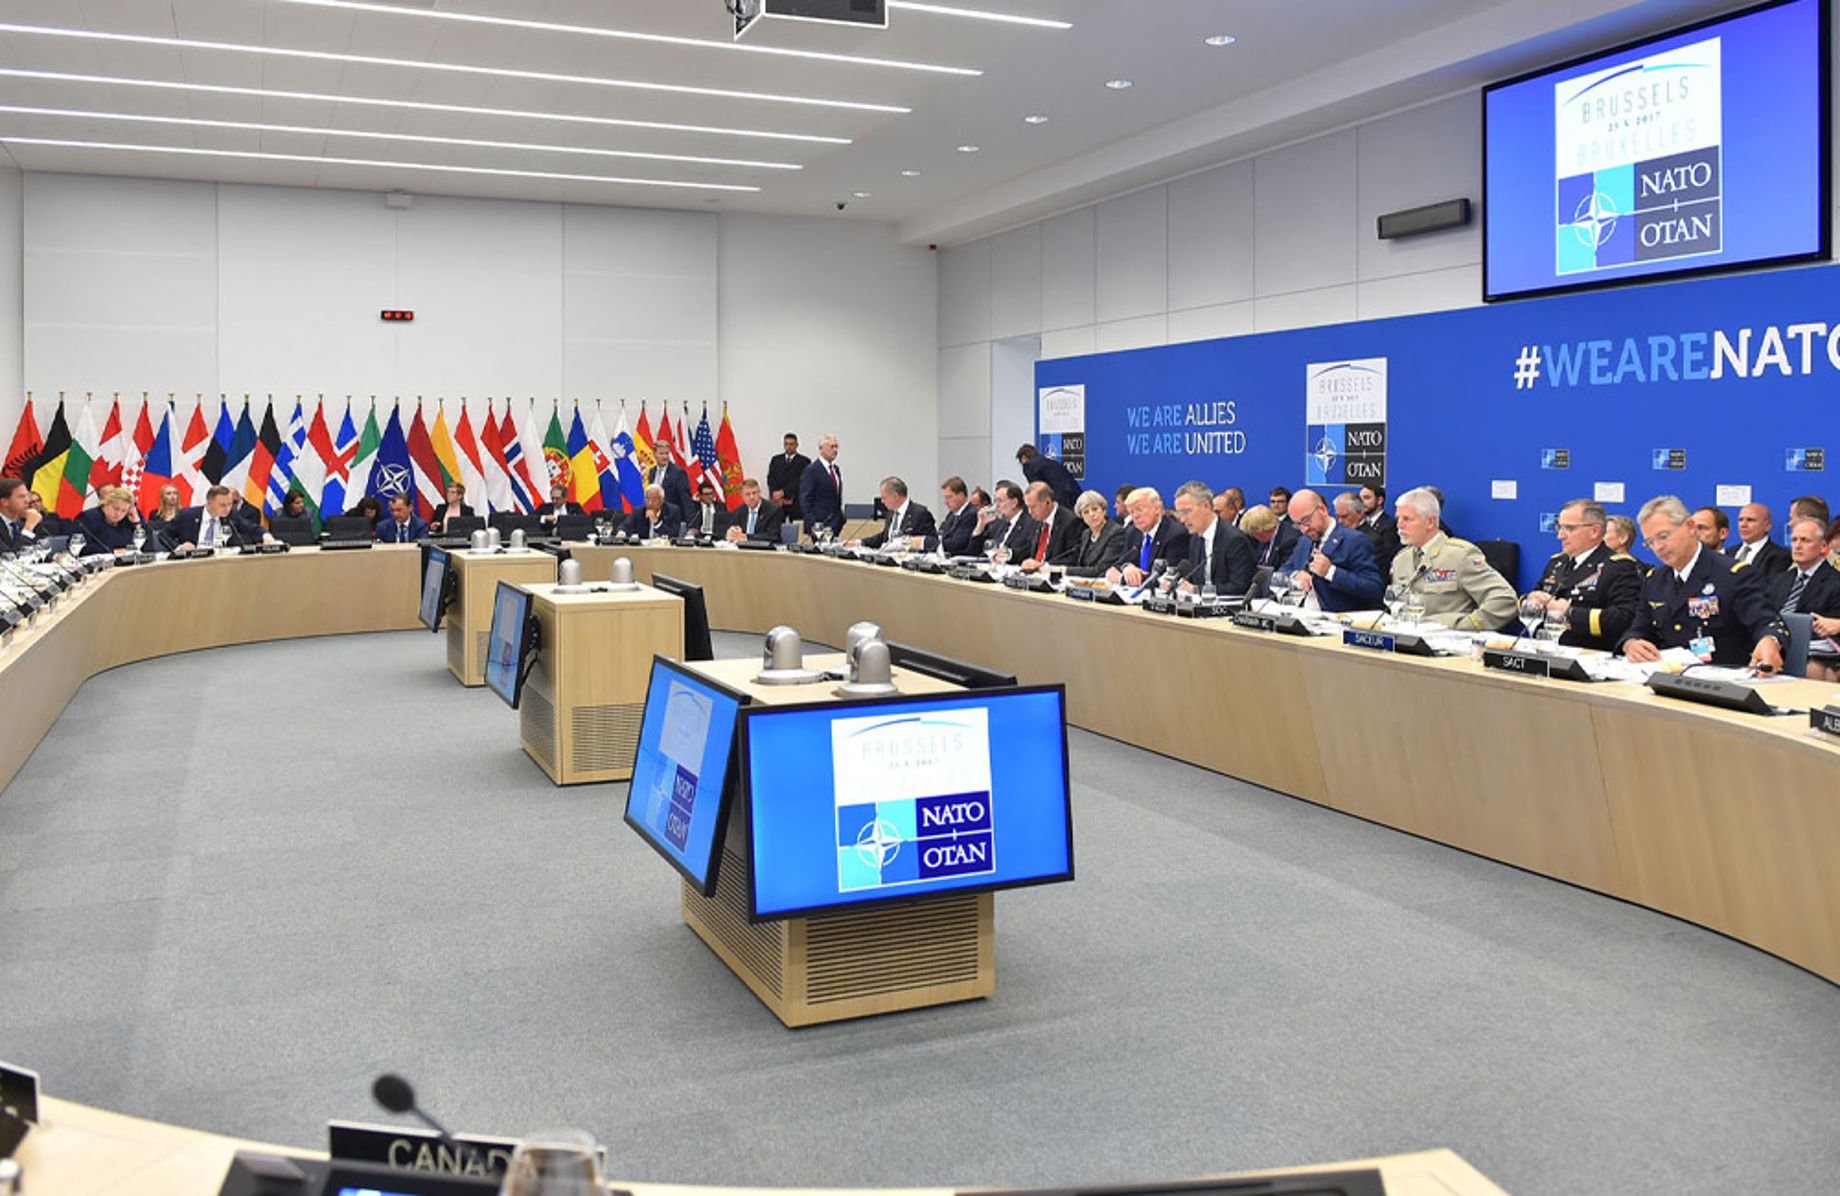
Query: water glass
x,y
554,1163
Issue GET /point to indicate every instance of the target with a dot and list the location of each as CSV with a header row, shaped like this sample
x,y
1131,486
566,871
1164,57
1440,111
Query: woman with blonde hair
x,y
109,525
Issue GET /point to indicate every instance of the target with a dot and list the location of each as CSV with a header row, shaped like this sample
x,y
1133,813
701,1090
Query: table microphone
x,y
1178,574
395,1094
1157,569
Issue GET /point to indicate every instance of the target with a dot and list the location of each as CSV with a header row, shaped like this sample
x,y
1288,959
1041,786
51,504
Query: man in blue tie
x,y
18,520
755,519
403,526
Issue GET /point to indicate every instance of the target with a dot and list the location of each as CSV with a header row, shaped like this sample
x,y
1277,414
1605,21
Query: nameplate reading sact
x,y
1524,663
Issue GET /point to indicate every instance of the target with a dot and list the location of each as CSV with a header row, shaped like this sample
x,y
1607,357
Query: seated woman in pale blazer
x,y
1102,544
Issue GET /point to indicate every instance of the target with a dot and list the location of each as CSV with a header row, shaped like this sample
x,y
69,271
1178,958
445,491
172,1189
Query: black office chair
x,y
295,530
573,527
509,521
465,525
1504,556
350,527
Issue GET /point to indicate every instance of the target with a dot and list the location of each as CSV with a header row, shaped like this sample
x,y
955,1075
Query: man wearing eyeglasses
x,y
1594,591
1700,600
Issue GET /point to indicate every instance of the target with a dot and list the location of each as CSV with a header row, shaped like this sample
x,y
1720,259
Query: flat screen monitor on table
x,y
855,803
683,769
512,644
697,644
437,587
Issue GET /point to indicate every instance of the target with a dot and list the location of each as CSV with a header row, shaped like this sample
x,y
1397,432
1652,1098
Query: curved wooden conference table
x,y
1726,820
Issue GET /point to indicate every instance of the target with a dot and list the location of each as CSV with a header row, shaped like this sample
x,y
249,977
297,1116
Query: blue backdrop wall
x,y
1694,388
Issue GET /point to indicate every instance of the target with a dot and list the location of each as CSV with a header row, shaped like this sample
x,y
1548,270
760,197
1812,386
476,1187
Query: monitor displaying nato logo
x,y
913,798
1639,163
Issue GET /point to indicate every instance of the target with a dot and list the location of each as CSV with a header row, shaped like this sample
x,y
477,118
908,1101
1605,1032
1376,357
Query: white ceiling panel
x,y
1299,67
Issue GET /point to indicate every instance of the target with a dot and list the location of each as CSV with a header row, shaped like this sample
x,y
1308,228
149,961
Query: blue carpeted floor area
x,y
234,885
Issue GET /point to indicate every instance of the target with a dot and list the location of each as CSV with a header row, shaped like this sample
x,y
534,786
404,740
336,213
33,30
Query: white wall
x,y
12,302
1281,240
135,285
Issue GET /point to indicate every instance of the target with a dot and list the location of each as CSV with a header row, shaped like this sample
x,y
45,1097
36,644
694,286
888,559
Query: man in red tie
x,y
1057,538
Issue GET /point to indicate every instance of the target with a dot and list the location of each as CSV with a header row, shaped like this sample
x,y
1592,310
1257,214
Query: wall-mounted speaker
x,y
1432,218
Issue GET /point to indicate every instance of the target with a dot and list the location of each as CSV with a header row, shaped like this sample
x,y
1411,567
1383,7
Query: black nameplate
x,y
1727,694
1373,641
19,1091
1533,664
971,573
262,549
1160,604
1203,610
1825,720
404,1149
886,562
1259,620
345,545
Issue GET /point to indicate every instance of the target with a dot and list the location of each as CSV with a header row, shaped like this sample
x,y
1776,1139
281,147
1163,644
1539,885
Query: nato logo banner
x,y
912,798
1805,460
1060,422
1345,414
1638,161
674,787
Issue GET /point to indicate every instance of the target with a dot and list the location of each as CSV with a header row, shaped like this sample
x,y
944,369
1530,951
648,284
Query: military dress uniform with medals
x,y
1605,590
1459,587
1719,613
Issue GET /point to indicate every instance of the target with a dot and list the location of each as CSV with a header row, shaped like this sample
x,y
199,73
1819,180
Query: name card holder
x,y
403,1149
1533,664
975,573
1032,585
1401,643
1284,623
345,545
262,549
1826,720
1726,694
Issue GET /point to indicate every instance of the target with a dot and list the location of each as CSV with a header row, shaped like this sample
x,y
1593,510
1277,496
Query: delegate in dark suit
x,y
643,524
1101,553
1821,596
438,523
783,477
187,526
1355,583
100,536
248,520
1231,570
9,542
1018,535
711,522
1769,559
1383,531
1605,590
916,520
1063,545
549,512
1039,468
1277,550
1719,600
956,531
821,497
1169,542
759,523
392,532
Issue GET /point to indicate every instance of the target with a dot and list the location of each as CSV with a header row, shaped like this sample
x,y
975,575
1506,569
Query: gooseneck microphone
x,y
1180,573
395,1094
1157,568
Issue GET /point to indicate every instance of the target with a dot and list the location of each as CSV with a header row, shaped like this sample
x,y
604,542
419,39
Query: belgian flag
x,y
44,473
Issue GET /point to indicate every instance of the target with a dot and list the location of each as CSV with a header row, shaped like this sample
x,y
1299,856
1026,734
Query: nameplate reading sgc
x,y
1825,720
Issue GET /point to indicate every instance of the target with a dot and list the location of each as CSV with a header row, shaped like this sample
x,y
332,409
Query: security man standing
x,y
1594,591
1459,587
1699,600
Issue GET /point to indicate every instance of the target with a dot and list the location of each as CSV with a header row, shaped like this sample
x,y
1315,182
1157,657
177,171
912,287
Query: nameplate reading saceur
x,y
1374,641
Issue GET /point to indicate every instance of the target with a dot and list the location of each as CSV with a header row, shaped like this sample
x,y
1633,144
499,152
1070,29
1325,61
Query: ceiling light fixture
x,y
862,195
499,72
1035,118
910,174
320,131
1220,39
629,35
947,10
65,143
1118,84
968,149
417,105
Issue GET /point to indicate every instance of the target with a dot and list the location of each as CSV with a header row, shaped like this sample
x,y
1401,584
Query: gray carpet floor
x,y
234,885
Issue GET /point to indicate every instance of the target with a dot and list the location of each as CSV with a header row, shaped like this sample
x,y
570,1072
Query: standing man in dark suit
x,y
403,526
708,519
1698,600
783,475
18,521
1153,536
1059,479
1333,566
755,518
907,520
672,477
1811,586
1220,553
960,522
1755,548
1004,524
1380,527
1057,530
821,490
1595,591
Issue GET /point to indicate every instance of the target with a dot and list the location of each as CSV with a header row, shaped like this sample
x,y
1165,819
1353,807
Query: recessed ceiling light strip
x,y
332,161
319,131
397,10
417,105
186,43
947,10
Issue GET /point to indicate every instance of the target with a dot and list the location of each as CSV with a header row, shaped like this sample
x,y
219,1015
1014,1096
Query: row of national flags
x,y
336,453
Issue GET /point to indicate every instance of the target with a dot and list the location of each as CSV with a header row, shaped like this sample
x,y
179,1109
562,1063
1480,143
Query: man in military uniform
x,y
1594,591
1699,600
1459,588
